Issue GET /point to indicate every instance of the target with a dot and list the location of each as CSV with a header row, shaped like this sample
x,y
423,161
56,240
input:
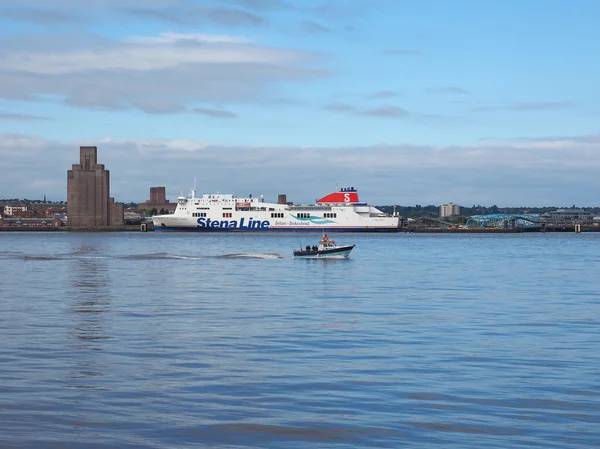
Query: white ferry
x,y
338,211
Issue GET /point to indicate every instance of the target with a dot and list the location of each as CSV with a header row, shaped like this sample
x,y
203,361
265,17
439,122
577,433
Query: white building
x,y
10,210
568,215
447,210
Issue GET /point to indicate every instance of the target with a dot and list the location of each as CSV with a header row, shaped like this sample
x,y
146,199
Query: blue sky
x,y
429,101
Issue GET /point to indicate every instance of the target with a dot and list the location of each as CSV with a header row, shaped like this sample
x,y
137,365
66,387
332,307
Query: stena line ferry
x,y
338,211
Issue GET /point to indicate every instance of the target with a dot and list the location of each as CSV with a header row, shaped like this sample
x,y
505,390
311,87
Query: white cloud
x,y
534,172
148,53
153,73
172,38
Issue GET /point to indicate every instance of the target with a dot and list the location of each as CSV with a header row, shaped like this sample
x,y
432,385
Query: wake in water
x,y
81,252
251,256
161,256
153,256
39,258
10,255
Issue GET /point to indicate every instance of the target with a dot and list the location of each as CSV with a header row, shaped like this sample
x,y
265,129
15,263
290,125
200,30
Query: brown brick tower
x,y
158,200
158,195
88,192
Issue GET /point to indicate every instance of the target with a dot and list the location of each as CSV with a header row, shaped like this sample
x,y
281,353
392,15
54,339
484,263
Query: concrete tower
x,y
88,191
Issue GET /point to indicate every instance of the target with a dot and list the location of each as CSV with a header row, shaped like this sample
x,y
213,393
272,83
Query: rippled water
x,y
143,340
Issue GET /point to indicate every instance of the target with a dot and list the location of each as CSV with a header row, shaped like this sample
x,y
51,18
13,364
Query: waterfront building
x,y
30,222
449,209
89,203
14,210
55,211
567,216
158,200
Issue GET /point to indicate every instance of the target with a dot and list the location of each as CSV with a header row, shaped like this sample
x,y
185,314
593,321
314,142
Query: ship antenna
x,y
194,189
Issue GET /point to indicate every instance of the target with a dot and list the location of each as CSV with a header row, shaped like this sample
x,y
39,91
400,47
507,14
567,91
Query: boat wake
x,y
11,255
81,252
20,256
152,256
40,258
251,256
161,256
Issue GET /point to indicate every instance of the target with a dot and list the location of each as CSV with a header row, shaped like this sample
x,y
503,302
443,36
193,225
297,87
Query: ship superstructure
x,y
338,211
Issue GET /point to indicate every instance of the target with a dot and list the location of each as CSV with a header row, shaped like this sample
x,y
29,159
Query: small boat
x,y
325,249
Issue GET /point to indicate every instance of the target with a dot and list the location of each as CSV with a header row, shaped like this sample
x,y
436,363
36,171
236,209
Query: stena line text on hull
x,y
233,224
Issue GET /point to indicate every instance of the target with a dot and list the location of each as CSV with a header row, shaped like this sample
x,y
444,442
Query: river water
x,y
154,340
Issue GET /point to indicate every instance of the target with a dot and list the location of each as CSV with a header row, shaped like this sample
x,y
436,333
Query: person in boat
x,y
315,248
307,247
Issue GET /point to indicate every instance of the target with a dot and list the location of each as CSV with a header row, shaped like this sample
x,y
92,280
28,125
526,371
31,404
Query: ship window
x,y
227,214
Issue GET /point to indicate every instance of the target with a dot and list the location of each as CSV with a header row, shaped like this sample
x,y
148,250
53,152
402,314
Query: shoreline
x,y
547,229
415,230
132,228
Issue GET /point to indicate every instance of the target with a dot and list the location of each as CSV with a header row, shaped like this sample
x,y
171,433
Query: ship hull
x,y
160,228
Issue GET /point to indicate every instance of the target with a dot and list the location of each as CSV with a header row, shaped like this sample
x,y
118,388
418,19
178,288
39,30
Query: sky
x,y
410,101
